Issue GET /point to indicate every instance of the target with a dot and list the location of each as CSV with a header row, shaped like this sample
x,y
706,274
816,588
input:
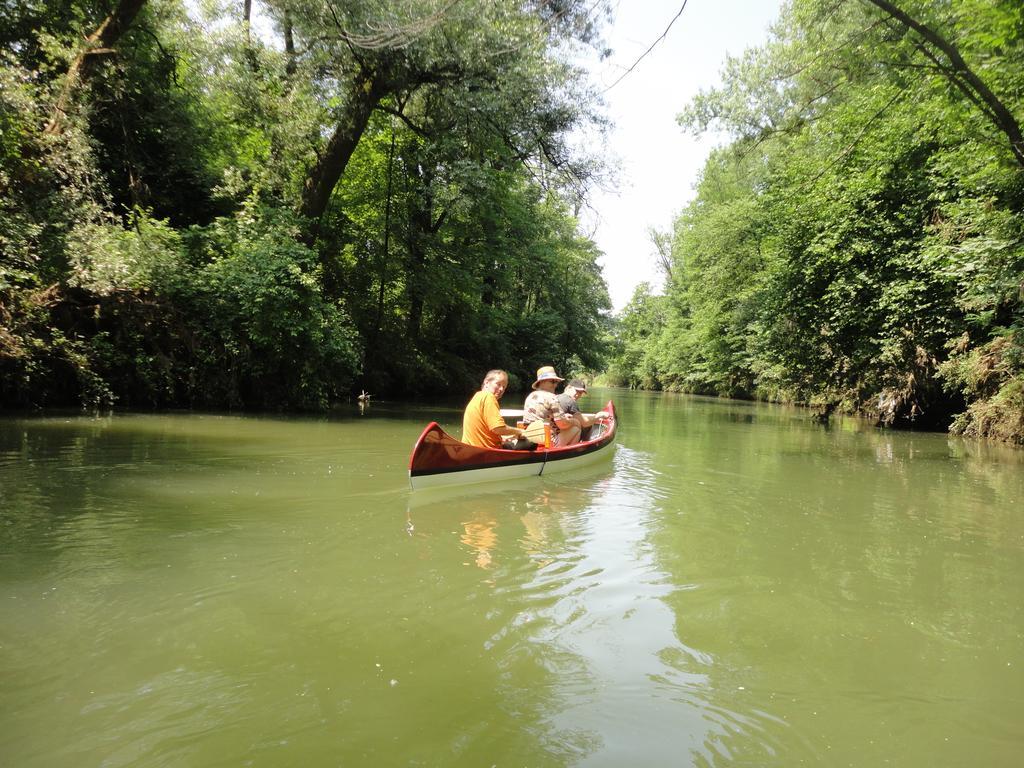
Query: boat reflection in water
x,y
480,536
532,511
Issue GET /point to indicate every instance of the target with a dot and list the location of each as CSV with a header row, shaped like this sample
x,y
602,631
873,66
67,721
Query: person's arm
x,y
588,419
496,422
570,412
505,429
562,419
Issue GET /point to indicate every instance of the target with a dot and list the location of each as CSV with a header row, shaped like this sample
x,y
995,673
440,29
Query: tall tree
x,y
493,60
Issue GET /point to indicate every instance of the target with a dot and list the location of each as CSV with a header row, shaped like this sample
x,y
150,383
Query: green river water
x,y
735,586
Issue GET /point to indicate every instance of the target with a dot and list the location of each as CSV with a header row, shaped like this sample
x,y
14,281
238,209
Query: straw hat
x,y
546,373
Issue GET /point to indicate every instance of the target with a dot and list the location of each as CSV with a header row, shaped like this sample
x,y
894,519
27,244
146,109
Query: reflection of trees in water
x,y
52,480
833,573
99,487
581,610
323,625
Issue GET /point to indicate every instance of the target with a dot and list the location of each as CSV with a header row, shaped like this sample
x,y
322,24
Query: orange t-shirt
x,y
482,414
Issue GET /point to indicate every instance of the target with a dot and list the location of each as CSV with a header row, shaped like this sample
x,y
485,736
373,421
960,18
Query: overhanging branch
x,y
964,78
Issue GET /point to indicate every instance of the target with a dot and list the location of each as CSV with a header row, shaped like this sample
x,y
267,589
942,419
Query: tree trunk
x,y
414,323
289,44
824,416
250,54
414,285
964,79
99,43
420,229
382,276
364,93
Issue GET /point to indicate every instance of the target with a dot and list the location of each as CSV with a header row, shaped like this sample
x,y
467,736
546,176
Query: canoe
x,y
438,459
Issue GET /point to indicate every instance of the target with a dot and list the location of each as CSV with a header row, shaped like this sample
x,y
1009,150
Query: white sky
x,y
659,162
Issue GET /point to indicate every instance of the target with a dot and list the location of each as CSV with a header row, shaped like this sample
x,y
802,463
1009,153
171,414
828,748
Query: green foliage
x,y
634,362
107,257
991,376
461,262
40,363
154,252
46,185
277,338
859,245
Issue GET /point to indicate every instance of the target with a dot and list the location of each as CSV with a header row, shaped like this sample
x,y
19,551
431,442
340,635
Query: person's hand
x,y
601,415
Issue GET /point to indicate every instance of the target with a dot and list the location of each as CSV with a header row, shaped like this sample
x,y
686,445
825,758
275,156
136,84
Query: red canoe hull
x,y
438,459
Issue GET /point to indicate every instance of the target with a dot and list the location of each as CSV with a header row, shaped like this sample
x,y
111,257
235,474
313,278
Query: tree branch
x,y
102,41
651,48
421,132
1000,115
856,140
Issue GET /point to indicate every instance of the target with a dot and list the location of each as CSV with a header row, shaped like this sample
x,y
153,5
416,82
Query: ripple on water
x,y
723,591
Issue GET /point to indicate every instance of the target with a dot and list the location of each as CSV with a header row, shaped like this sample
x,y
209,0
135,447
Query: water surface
x,y
736,586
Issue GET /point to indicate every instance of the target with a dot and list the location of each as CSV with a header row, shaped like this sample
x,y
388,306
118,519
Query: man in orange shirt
x,y
482,424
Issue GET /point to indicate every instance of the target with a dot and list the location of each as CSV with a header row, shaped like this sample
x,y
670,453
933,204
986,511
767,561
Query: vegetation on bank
x,y
373,194
859,245
382,195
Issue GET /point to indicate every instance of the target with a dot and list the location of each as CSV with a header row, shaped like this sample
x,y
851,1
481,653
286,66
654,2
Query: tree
x,y
490,59
100,43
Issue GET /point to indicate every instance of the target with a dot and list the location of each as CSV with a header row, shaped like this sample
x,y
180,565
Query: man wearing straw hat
x,y
542,407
